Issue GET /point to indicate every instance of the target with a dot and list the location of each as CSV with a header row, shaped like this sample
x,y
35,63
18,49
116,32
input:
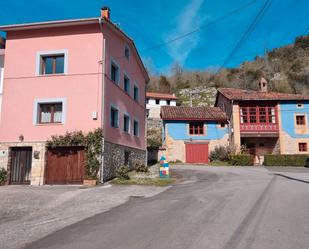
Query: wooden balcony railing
x,y
259,127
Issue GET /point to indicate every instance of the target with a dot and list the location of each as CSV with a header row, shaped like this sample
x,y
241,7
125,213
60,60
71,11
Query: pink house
x,y
64,76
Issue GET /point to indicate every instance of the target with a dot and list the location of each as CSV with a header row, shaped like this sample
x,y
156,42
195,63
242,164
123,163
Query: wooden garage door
x,y
20,168
65,165
197,153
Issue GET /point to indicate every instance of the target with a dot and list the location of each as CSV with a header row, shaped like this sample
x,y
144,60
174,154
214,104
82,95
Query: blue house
x,y
190,133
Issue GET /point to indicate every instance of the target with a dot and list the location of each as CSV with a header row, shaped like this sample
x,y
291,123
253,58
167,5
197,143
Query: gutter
x,y
102,62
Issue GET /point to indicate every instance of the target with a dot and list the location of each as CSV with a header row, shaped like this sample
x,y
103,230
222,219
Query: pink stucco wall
x,y
81,86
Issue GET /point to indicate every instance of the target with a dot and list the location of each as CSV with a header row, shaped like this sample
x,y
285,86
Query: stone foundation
x,y
38,163
115,156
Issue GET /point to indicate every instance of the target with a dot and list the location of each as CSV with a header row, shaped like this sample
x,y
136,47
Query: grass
x,y
160,182
219,163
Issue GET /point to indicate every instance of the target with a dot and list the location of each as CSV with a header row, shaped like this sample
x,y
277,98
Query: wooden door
x,y
20,168
197,153
65,165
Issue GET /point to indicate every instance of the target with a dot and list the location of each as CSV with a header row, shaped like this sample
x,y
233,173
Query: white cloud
x,y
188,20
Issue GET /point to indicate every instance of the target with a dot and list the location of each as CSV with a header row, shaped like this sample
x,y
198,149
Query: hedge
x,y
242,160
285,160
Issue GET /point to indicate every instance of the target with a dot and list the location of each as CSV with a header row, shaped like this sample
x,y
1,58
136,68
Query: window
x,y
302,147
52,64
135,128
222,125
114,72
300,120
126,157
252,115
168,102
50,113
126,123
196,128
136,93
114,117
126,84
300,106
127,52
157,102
243,115
262,112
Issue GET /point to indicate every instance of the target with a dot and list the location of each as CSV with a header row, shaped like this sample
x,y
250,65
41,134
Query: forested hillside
x,y
285,68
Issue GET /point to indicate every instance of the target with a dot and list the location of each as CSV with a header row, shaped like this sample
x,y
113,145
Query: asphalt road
x,y
213,208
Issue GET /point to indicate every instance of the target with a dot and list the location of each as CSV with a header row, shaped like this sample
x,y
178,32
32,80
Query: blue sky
x,y
152,22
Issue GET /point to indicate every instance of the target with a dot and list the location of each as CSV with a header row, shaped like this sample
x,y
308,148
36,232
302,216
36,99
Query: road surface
x,y
213,208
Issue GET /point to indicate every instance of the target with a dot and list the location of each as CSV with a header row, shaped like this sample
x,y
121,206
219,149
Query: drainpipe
x,y
103,62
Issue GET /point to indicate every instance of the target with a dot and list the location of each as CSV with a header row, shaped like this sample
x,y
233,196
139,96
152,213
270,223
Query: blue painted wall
x,y
179,130
288,111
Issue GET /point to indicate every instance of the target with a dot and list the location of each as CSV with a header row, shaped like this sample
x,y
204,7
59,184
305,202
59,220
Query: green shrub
x,y
3,176
139,167
221,153
242,160
122,173
285,160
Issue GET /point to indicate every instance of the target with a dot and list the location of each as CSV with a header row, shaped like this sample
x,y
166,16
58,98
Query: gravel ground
x,y
29,213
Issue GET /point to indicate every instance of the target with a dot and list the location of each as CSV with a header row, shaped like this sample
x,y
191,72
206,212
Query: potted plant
x,y
3,176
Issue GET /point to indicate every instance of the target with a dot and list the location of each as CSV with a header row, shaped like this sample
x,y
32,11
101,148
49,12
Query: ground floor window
x,y
302,147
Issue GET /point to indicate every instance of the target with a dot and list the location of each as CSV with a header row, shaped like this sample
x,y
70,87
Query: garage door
x,y
65,165
197,153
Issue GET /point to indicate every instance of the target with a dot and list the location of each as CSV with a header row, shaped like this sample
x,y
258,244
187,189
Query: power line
x,y
294,27
198,29
253,25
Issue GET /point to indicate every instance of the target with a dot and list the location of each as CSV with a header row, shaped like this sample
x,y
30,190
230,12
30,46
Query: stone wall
x,y
37,166
114,157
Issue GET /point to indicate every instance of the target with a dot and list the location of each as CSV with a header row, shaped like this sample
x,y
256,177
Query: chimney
x,y
263,84
106,13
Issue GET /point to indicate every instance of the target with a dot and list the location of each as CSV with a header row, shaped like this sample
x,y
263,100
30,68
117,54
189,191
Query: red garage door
x,y
197,153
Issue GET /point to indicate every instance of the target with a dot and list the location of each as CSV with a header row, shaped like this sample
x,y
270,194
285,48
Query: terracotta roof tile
x,y
192,113
160,95
241,94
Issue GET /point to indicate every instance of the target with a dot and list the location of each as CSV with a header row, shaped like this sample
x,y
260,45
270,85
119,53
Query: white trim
x,y
127,76
37,102
112,61
129,128
39,54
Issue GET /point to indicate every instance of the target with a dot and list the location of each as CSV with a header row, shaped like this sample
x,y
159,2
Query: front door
x,y
20,169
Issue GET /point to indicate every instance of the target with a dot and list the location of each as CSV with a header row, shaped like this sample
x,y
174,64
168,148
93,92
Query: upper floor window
x,y
157,102
302,147
114,117
135,128
136,93
114,72
126,123
300,120
126,84
127,52
260,115
196,128
52,64
50,113
168,102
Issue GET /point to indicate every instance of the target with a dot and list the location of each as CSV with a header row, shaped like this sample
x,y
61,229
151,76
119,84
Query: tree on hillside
x,y
164,85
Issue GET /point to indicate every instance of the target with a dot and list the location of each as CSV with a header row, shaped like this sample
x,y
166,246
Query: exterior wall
x,y
38,165
176,133
114,157
80,87
1,76
235,129
117,97
289,134
154,110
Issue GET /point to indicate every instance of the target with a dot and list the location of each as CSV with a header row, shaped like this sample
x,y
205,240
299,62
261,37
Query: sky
x,y
153,22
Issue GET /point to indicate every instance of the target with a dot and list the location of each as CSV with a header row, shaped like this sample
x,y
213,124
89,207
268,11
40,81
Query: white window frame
x,y
138,127
40,54
112,61
36,109
128,77
129,124
110,121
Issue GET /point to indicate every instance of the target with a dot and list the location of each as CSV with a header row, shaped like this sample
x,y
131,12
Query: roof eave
x,y
198,119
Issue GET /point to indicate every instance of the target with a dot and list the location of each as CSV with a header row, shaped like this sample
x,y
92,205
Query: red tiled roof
x,y
161,95
241,94
192,113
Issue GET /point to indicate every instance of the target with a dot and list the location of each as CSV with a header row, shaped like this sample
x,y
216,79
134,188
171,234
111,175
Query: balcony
x,y
259,119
